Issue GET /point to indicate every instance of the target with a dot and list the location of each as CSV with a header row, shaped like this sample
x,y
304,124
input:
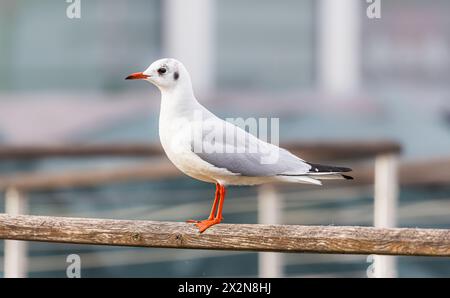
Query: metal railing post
x,y
16,252
269,212
385,211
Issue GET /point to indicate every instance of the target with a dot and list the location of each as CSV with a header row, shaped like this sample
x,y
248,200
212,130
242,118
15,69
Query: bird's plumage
x,y
210,149
207,148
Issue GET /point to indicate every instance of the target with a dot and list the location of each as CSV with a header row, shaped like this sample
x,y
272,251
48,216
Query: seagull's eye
x,y
162,70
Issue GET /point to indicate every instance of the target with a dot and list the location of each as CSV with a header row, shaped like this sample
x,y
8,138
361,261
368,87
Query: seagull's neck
x,y
178,101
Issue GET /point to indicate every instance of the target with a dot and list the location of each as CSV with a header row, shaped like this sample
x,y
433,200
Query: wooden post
x,y
15,259
385,210
269,212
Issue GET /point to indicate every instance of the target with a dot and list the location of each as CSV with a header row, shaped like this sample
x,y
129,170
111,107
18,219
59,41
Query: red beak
x,y
137,76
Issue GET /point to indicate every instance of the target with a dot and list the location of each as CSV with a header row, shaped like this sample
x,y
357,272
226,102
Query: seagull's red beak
x,y
137,76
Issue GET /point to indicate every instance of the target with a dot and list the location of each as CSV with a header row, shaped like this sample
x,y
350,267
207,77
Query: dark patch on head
x,y
176,75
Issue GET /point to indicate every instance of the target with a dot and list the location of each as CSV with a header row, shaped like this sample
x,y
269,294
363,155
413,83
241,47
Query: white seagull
x,y
210,149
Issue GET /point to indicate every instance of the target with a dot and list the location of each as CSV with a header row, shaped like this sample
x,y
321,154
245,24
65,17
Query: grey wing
x,y
247,155
254,164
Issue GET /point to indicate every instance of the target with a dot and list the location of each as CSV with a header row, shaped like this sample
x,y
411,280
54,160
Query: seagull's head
x,y
166,74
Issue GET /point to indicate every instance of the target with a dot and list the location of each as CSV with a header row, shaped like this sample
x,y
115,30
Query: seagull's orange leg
x,y
214,206
223,191
216,202
205,224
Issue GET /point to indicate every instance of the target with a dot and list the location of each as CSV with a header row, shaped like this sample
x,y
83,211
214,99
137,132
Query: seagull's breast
x,y
176,136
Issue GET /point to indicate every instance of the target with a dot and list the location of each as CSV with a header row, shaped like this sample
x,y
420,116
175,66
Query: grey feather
x,y
249,164
240,159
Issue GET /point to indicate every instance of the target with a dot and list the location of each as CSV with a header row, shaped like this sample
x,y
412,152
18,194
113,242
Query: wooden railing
x,y
239,237
269,200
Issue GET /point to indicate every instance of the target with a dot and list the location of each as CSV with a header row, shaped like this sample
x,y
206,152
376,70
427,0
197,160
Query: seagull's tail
x,y
323,169
318,173
324,172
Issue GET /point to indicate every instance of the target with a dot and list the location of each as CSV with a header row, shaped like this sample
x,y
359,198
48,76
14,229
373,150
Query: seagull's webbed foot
x,y
207,223
215,216
195,221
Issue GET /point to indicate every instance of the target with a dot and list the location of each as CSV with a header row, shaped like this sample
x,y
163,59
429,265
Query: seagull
x,y
212,150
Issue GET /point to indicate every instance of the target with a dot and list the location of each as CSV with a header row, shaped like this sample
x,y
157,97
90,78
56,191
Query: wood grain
x,y
247,237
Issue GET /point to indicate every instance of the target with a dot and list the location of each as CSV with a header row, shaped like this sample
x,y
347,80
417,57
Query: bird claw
x,y
192,221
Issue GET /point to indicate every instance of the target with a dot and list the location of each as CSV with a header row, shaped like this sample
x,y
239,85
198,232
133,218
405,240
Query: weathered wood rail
x,y
240,237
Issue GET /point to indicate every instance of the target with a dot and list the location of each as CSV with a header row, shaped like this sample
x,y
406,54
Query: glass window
x,y
263,44
409,45
41,48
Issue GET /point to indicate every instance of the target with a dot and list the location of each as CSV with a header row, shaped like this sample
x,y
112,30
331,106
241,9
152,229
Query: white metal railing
x,y
386,191
16,252
270,206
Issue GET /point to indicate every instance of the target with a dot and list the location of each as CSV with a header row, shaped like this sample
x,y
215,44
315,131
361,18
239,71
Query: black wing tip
x,y
346,177
317,168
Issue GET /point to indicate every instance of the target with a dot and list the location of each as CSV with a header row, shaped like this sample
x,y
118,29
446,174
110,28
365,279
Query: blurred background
x,y
327,70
